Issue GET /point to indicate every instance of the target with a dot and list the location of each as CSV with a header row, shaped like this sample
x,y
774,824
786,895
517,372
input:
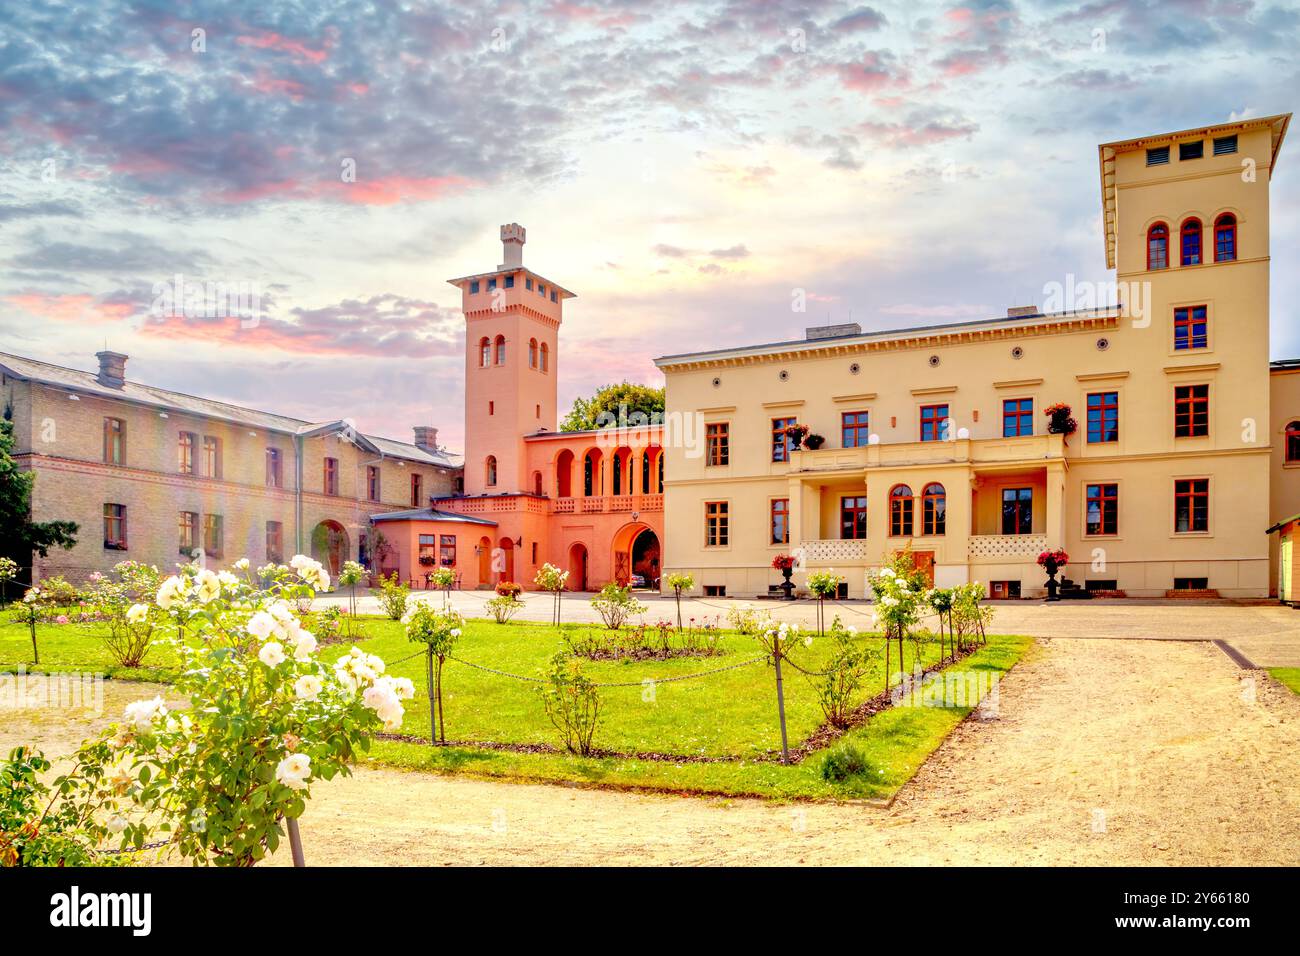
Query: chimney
x,y
1020,311
513,237
426,437
112,369
832,331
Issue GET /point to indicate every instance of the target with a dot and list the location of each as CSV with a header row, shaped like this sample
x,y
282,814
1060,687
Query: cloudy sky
x,y
682,167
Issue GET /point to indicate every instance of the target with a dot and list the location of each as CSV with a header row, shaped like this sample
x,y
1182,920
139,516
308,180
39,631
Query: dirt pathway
x,y
1103,752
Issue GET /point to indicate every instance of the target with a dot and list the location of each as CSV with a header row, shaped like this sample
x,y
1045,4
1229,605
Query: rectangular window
x,y
1192,150
510,282
780,440
211,457
417,491
447,550
428,545
1103,417
1191,411
1191,328
541,288
372,482
1017,510
716,530
331,476
715,590
853,516
717,436
780,521
934,422
1191,584
274,469
1017,417
473,287
1102,509
114,441
1191,505
854,430
189,533
185,453
491,284
1225,145
1158,156
212,543
115,527
528,285
274,542
553,296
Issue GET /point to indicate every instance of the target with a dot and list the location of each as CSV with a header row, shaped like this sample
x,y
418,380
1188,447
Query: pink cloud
x,y
275,41
70,307
382,191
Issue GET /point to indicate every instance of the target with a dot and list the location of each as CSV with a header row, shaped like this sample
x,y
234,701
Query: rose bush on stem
x,y
680,582
443,579
897,610
438,631
550,578
350,575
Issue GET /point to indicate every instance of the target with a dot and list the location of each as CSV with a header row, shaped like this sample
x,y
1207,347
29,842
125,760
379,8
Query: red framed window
x,y
447,550
500,357
854,430
331,483
1191,505
780,440
1191,327
1103,417
1101,509
718,438
115,527
1191,242
934,422
417,491
1191,411
853,516
1017,510
1225,238
1293,441
1158,246
900,511
490,471
1017,417
484,352
780,521
717,530
934,509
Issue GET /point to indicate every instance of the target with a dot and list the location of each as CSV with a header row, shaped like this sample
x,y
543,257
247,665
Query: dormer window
x,y
1158,156
1158,246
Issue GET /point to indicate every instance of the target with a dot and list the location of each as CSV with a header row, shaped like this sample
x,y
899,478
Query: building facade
x,y
587,502
158,476
936,439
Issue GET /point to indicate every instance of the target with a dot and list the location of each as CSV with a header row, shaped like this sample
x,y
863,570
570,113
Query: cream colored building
x,y
936,438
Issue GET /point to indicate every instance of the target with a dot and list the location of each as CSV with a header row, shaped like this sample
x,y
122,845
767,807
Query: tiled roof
x,y
429,514
32,370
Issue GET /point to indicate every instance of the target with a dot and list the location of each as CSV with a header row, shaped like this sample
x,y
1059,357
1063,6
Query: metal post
x,y
295,842
433,719
780,707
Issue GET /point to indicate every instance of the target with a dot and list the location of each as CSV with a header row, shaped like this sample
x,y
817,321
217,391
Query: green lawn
x,y
729,716
1287,675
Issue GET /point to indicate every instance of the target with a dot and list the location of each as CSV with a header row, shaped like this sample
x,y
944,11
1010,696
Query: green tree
x,y
19,534
623,404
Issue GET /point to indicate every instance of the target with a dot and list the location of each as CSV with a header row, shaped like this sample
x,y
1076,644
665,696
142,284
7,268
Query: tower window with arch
x,y
1191,242
501,350
491,471
661,472
1293,441
900,511
532,353
1158,246
1225,238
537,483
484,352
591,475
645,472
545,356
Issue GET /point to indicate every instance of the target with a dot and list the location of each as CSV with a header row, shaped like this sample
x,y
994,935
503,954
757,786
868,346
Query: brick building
x,y
155,475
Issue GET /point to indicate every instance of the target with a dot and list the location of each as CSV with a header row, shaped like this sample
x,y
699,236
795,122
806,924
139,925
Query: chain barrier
x,y
158,845
637,683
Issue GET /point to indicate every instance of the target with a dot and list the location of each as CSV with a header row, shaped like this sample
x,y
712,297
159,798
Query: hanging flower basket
x,y
814,441
1059,421
795,433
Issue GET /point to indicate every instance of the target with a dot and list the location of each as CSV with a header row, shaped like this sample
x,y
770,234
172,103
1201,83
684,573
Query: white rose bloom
x,y
376,664
299,561
137,613
304,646
171,592
227,579
207,587
404,688
293,771
307,687
281,611
142,713
260,625
116,823
455,632
241,564
271,654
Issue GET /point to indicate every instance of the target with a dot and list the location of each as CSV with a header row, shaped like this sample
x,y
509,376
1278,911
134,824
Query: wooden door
x,y
924,561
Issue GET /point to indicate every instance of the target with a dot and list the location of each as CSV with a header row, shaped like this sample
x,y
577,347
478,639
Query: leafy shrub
x,y
124,600
843,761
846,669
503,607
615,604
438,631
748,620
509,589
31,834
572,703
393,595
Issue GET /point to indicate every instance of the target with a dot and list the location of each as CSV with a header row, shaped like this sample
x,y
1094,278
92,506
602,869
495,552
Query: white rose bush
x,y
901,598
438,631
217,779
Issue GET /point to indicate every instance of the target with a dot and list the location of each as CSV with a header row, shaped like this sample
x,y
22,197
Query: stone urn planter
x,y
785,564
1051,562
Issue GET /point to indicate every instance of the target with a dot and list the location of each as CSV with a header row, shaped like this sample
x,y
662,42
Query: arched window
x,y
1191,244
645,473
491,471
532,353
1158,246
661,473
484,352
501,350
934,509
546,354
591,474
537,483
1293,441
616,474
1225,238
900,511
564,474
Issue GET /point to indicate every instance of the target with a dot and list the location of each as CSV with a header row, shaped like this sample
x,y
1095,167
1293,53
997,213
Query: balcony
x,y
1006,547
829,552
608,504
1029,449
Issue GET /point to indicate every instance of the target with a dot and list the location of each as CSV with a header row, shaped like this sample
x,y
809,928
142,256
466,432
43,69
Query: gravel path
x,y
1104,752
